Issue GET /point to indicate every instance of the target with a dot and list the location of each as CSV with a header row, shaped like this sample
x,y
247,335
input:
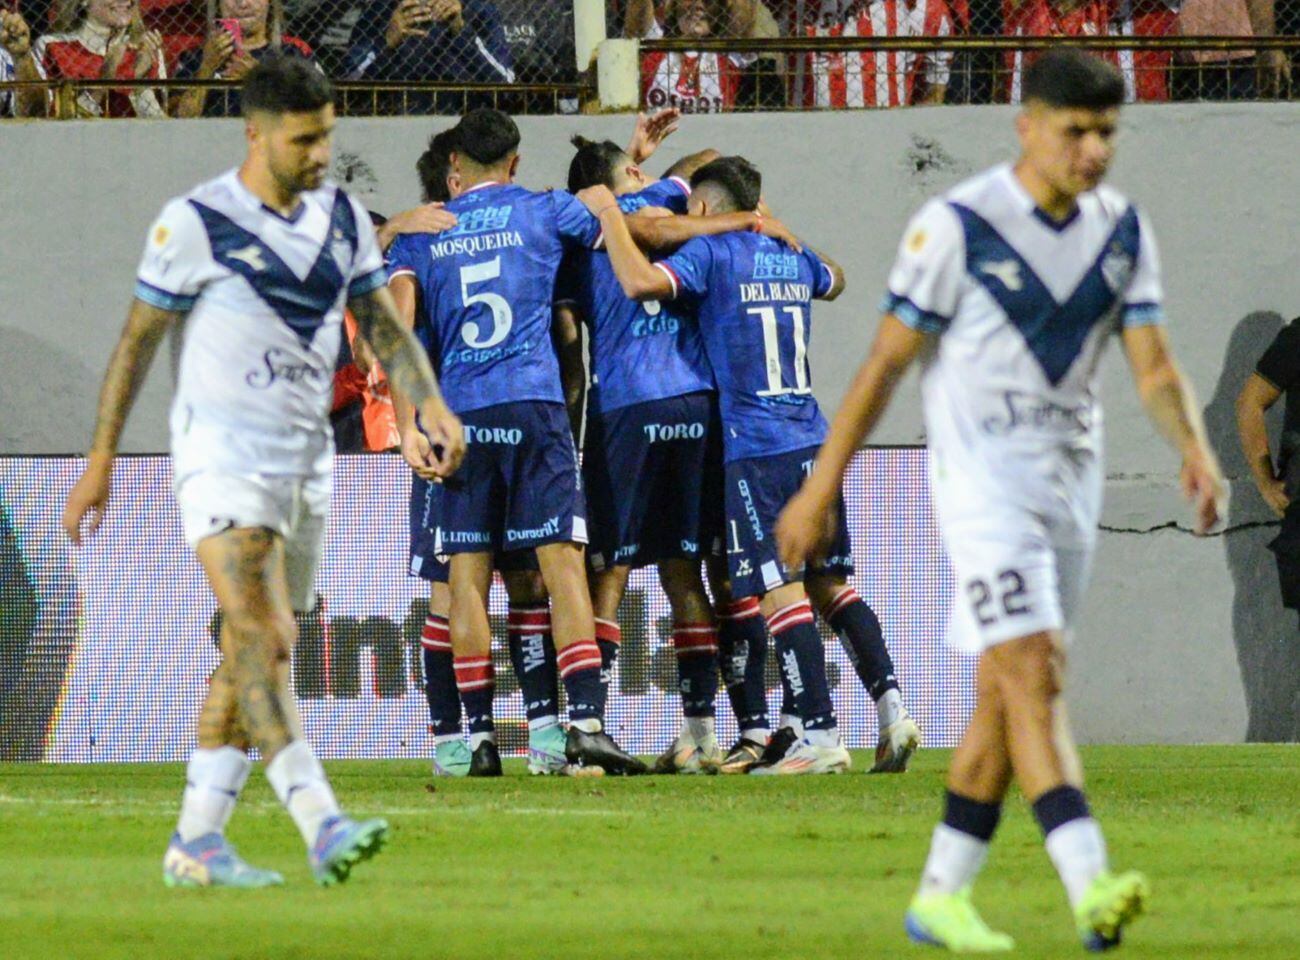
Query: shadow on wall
x,y
1266,634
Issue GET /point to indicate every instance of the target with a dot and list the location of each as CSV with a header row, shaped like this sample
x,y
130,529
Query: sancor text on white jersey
x,y
263,297
1023,307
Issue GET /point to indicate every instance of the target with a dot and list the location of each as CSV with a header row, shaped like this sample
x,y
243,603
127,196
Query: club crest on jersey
x,y
341,248
1117,267
776,266
1005,271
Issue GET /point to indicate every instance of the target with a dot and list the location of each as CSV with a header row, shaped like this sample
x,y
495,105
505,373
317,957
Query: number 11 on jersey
x,y
772,351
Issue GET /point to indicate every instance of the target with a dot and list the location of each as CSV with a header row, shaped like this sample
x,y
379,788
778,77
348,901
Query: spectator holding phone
x,y
456,41
242,38
107,41
17,63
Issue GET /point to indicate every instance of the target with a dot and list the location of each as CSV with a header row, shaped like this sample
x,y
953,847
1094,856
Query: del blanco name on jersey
x,y
760,292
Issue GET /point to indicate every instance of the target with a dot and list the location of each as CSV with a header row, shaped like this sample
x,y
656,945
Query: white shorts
x,y
1016,576
296,508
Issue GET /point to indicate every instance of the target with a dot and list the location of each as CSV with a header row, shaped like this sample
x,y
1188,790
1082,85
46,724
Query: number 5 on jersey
x,y
502,317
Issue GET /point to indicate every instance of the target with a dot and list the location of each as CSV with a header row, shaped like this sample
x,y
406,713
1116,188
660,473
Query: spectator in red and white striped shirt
x,y
696,82
879,78
108,42
1052,18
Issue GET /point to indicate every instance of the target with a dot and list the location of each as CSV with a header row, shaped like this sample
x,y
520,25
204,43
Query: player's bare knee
x,y
822,589
525,587
1028,668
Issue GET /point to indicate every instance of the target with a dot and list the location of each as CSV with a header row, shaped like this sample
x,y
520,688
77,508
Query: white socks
x,y
299,781
889,707
955,860
793,722
587,725
823,738
213,780
476,740
698,728
758,734
1078,851
541,723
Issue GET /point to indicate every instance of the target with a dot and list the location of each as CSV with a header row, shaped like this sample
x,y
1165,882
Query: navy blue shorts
x,y
428,561
757,490
653,473
519,485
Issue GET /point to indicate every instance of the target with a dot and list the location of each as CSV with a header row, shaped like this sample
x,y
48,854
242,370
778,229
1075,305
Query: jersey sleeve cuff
x,y
830,281
1145,314
368,283
926,321
394,272
685,187
163,299
672,278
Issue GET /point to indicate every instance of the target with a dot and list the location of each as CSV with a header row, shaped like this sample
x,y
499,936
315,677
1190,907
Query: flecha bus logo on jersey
x,y
484,219
776,266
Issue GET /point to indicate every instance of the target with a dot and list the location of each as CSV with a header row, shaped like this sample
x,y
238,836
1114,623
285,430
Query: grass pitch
x,y
656,867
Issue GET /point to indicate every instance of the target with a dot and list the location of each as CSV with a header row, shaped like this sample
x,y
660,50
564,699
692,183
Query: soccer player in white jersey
x,y
1007,289
257,266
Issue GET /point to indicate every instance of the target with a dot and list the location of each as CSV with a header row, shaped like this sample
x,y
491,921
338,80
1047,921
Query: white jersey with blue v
x,y
1022,306
263,297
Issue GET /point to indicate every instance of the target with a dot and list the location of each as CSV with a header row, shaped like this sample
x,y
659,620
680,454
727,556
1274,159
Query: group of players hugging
x,y
700,425
699,450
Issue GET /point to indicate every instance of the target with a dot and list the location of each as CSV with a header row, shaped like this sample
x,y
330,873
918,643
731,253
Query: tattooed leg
x,y
246,569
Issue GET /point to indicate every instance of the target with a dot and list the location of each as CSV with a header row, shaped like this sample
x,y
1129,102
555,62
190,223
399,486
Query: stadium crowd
x,y
396,42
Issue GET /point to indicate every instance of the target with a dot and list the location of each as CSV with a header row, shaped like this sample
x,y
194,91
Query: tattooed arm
x,y
145,327
408,370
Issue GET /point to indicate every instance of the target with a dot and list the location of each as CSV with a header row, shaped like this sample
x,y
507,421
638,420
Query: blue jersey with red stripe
x,y
487,289
639,351
753,296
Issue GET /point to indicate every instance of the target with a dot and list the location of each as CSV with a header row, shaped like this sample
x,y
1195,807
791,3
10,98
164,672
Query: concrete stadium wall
x,y
1182,639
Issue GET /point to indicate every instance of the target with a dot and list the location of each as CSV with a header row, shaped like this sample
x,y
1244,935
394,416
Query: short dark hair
x,y
1067,77
487,136
738,177
435,164
282,84
594,163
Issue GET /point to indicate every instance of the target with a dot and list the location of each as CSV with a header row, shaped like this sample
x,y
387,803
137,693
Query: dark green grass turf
x,y
653,867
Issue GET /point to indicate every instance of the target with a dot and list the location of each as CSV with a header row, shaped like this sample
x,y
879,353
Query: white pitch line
x,y
128,806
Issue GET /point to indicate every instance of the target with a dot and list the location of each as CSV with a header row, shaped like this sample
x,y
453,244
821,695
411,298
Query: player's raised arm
x,y
146,325
410,374
659,233
1171,406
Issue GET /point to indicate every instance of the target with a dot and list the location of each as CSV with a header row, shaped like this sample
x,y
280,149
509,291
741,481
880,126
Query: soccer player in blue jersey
x,y
1007,289
532,652
255,268
487,290
652,457
753,298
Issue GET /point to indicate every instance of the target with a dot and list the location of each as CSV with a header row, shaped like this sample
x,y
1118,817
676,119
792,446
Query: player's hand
x,y
15,36
804,528
428,218
89,497
411,19
774,228
652,129
1274,74
219,48
446,435
148,53
1203,486
446,11
418,454
1274,494
597,199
